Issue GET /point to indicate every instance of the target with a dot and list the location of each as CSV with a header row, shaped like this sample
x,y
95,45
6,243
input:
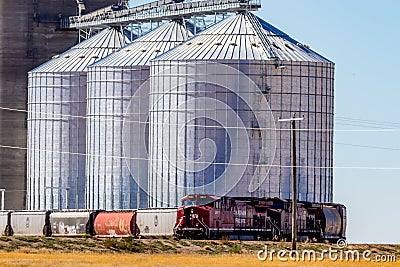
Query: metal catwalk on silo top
x,y
116,172
214,105
57,125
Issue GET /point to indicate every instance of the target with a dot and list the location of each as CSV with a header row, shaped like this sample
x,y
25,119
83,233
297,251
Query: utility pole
x,y
294,177
2,198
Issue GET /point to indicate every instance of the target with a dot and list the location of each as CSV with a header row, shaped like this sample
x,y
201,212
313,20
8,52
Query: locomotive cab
x,y
193,217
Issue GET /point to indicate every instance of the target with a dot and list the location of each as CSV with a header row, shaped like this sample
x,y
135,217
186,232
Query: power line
x,y
213,163
361,125
366,146
367,121
98,118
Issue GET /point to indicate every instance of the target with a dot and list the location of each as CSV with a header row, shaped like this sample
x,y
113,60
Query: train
x,y
199,217
249,218
96,223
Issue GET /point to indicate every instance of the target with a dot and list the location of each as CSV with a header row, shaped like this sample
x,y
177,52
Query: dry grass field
x,y
142,260
41,251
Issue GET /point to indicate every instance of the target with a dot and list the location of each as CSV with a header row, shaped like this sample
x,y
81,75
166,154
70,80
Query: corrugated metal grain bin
x,y
213,116
57,124
115,224
71,223
3,222
116,173
156,222
29,223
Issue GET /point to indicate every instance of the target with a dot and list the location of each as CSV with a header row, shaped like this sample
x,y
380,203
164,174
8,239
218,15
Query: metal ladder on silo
x,y
267,45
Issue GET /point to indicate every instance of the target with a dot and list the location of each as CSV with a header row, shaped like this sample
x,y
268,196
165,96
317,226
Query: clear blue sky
x,y
362,38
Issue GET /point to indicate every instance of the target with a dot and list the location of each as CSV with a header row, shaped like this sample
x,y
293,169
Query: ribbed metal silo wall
x,y
204,137
57,132
57,167
307,89
118,98
304,88
110,184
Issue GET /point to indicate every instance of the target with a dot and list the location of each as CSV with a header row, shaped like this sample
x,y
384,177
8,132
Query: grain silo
x,y
57,125
214,105
116,172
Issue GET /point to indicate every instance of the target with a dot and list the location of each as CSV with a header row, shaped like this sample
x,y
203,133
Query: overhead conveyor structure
x,y
116,15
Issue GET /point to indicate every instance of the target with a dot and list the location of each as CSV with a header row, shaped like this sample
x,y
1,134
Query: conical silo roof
x,y
286,48
243,36
149,46
85,53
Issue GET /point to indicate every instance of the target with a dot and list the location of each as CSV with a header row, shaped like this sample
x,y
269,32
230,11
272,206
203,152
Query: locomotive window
x,y
189,203
217,205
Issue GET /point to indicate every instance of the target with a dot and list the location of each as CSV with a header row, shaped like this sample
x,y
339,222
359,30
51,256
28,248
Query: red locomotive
x,y
248,218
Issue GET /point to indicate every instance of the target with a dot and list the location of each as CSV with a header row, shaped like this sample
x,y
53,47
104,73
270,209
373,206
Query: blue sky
x,y
362,38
